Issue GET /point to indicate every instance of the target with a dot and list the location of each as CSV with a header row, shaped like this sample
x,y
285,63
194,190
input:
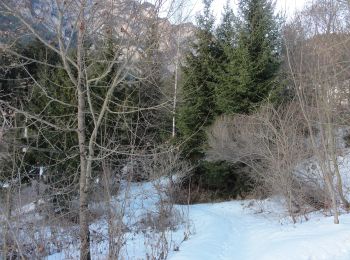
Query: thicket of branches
x,y
99,94
84,103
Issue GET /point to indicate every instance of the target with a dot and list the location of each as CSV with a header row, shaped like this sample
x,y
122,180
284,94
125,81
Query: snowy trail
x,y
231,230
226,231
220,231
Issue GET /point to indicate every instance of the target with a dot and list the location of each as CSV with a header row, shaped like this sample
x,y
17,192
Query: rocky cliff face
x,y
129,20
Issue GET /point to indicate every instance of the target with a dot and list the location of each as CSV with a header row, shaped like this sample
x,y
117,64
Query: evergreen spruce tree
x,y
34,145
244,65
259,50
50,148
226,34
198,83
250,77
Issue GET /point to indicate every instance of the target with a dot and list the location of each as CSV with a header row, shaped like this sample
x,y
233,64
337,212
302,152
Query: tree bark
x,y
83,180
83,185
8,219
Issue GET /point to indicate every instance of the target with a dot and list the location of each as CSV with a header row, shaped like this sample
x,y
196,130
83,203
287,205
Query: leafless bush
x,y
273,143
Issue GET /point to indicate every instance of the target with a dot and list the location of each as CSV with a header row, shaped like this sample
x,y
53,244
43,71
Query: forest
x,y
127,125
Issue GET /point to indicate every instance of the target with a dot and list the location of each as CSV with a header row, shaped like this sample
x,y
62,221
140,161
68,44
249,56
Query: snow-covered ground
x,y
242,230
231,230
140,205
236,230
247,229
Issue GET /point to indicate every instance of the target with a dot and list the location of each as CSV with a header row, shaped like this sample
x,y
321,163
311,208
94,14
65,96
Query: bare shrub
x,y
317,44
273,143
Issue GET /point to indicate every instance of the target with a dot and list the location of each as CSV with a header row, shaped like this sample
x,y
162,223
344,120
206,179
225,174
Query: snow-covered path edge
x,y
228,230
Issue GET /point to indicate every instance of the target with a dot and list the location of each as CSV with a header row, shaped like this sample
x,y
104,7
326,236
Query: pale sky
x,y
192,7
286,6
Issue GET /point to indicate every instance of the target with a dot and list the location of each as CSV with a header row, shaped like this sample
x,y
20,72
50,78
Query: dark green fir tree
x,y
258,54
198,83
251,75
227,37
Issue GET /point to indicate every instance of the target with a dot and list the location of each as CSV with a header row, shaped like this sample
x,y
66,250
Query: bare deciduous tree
x,y
81,34
319,70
